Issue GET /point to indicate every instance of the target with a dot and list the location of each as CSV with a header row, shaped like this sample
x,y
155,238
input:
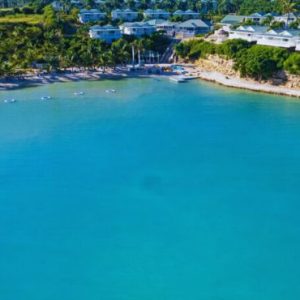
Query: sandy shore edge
x,y
68,76
192,71
240,83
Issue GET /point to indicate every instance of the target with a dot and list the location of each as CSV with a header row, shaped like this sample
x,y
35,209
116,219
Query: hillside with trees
x,y
255,61
58,42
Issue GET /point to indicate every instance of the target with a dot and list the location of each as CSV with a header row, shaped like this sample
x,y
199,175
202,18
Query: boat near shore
x,y
178,79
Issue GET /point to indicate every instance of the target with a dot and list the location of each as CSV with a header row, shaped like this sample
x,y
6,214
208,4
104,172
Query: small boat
x,y
178,79
110,91
10,100
46,98
79,93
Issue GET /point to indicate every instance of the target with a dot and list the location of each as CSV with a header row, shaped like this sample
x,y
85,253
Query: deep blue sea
x,y
160,191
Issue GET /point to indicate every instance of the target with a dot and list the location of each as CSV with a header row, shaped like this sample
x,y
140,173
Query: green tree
x,y
292,64
232,48
287,7
260,62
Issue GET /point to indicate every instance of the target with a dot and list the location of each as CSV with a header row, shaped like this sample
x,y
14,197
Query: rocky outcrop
x,y
215,63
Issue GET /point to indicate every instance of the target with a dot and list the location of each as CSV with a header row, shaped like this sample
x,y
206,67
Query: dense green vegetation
x,y
258,62
292,64
58,43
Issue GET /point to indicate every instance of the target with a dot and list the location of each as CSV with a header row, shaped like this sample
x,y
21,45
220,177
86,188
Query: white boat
x,y
79,93
178,79
46,98
110,91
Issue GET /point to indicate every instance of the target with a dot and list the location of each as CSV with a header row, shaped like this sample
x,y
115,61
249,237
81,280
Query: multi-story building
x,y
107,33
137,29
124,15
91,15
156,14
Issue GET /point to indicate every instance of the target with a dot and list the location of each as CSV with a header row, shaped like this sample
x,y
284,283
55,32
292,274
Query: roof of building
x,y
233,19
168,23
272,14
257,15
91,11
137,25
155,22
127,10
253,28
156,11
106,27
284,32
193,24
187,12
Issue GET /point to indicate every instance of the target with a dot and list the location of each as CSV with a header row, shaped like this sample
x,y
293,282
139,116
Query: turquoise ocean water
x,y
160,191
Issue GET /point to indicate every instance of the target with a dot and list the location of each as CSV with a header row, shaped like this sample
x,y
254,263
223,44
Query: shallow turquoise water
x,y
160,191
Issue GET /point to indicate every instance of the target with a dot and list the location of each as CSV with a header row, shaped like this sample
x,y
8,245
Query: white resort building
x,y
256,18
287,19
92,15
156,14
107,33
191,28
280,38
231,20
248,33
124,15
137,29
170,28
284,38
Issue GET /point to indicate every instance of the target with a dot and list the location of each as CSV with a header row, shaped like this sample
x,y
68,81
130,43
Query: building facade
x,y
248,33
106,33
191,28
262,35
124,15
156,14
91,15
137,29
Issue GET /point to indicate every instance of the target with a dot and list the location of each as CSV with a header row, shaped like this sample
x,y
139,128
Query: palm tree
x,y
288,7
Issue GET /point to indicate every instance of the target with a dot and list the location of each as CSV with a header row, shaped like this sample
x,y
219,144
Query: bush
x,y
195,49
231,48
201,49
260,62
183,49
292,64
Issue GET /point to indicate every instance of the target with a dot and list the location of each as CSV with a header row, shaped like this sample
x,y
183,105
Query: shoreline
x,y
250,86
240,83
73,76
122,73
